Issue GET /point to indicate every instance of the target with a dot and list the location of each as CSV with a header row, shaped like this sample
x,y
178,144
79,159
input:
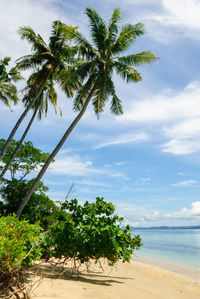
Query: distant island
x,y
166,227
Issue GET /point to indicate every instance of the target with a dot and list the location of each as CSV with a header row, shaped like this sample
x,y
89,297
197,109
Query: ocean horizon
x,y
180,246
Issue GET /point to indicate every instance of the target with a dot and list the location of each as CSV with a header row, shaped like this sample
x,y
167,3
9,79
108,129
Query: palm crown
x,y
47,62
8,91
94,69
50,58
101,58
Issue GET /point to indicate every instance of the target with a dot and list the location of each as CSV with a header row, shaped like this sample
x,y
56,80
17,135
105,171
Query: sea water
x,y
174,246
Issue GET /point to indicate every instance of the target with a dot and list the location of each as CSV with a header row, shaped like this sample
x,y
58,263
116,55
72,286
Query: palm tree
x,y
40,106
8,91
50,58
99,60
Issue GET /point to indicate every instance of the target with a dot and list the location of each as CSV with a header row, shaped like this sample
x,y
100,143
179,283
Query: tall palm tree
x,y
39,107
50,58
8,90
99,60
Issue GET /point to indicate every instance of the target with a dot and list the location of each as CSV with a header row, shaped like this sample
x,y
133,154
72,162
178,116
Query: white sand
x,y
135,280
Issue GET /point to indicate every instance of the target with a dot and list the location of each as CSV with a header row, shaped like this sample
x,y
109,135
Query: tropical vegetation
x,y
32,225
8,90
98,61
47,62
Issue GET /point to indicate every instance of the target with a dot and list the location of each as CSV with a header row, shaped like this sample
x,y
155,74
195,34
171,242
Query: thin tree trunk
x,y
19,144
22,118
55,151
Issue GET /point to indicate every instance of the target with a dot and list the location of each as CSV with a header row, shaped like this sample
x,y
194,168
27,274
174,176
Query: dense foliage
x,y
40,207
27,160
19,242
72,231
91,231
20,246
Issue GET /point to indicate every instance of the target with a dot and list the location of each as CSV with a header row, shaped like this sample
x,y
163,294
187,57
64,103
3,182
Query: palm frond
x,y
36,41
83,92
60,38
98,28
127,36
138,59
5,61
76,36
53,98
8,89
112,28
4,97
127,73
116,106
56,29
68,53
104,89
98,103
8,93
29,61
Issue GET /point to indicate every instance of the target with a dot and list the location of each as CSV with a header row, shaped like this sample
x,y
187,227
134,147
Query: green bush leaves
x,y
91,231
19,243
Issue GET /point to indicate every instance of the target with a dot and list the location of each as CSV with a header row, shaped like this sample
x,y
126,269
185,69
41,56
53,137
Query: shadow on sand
x,y
67,273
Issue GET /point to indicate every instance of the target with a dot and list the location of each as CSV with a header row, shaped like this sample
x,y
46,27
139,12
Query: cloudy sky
x,y
147,161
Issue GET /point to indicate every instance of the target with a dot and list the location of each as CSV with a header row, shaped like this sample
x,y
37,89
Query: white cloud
x,y
181,146
153,216
145,216
182,13
119,175
186,183
166,107
172,19
75,166
178,117
132,213
185,137
143,181
186,173
121,163
71,165
13,14
186,129
185,213
124,139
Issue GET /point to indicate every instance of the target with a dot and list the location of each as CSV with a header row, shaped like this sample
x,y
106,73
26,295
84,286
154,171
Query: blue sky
x,y
147,161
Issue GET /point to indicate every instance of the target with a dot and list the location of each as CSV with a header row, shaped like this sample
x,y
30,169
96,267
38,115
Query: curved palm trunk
x,y
55,151
22,118
19,144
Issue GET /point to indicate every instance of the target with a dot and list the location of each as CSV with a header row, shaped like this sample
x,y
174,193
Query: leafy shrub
x,y
19,243
19,247
91,231
27,160
39,208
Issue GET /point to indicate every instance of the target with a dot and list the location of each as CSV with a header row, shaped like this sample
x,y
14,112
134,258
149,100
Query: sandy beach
x,y
136,280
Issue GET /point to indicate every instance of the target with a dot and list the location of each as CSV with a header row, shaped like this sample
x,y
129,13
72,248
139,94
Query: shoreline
x,y
170,266
136,279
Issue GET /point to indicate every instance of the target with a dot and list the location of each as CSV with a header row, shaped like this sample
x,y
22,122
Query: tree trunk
x,y
55,151
19,144
22,118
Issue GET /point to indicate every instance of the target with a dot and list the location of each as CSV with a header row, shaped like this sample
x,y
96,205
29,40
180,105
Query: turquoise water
x,y
178,246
